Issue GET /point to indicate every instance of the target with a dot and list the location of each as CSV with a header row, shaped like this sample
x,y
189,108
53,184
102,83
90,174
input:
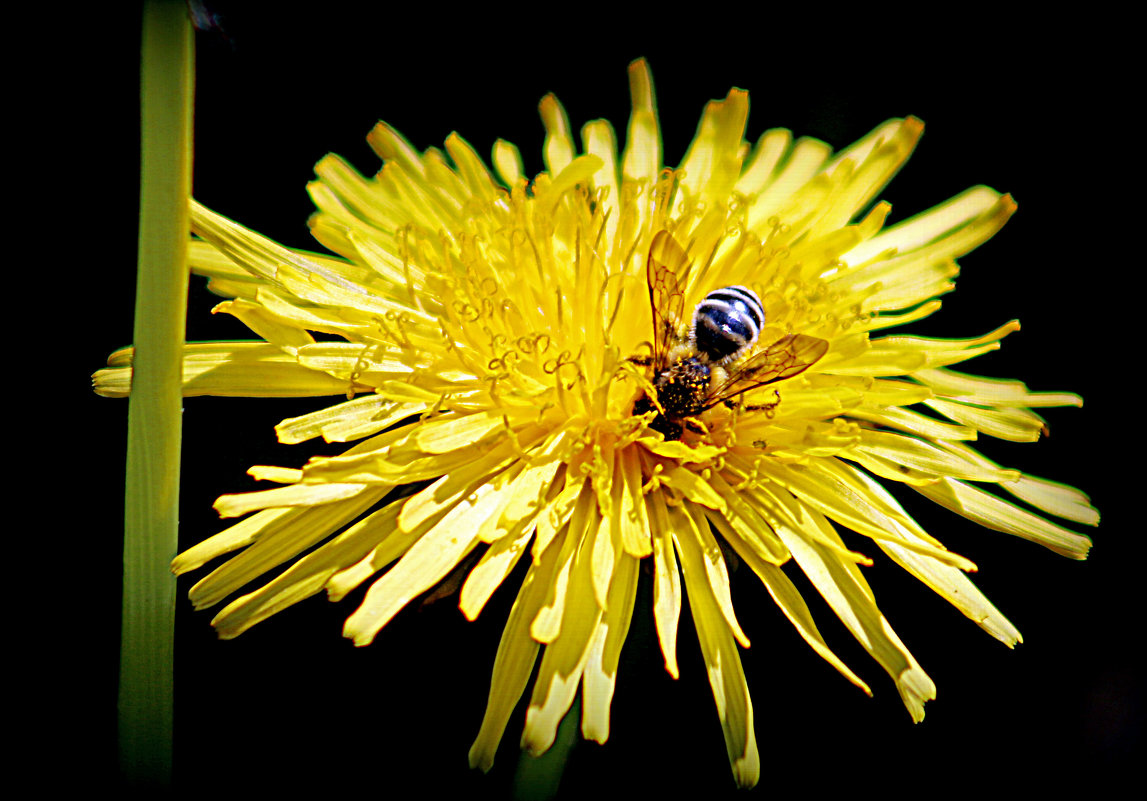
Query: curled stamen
x,y
564,359
466,312
492,379
554,366
503,362
497,339
534,345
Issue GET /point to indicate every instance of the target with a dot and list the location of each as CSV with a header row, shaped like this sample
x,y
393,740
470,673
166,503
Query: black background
x,y
292,705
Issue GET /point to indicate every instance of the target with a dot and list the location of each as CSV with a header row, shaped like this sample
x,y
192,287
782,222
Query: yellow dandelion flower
x,y
511,355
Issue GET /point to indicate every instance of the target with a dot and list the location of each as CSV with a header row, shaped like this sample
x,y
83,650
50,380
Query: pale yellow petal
x,y
264,323
600,141
928,226
642,158
1051,496
701,554
508,162
1047,496
458,484
726,677
600,673
823,485
278,539
566,655
306,495
713,163
232,369
667,581
991,391
546,625
449,432
475,177
525,500
763,160
304,578
557,513
234,537
998,515
841,584
558,150
920,454
517,652
789,599
631,516
342,422
803,161
603,558
957,589
911,422
719,496
871,173
1010,423
491,570
426,563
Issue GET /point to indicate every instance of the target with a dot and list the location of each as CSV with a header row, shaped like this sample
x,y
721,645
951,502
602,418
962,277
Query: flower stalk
x,y
151,506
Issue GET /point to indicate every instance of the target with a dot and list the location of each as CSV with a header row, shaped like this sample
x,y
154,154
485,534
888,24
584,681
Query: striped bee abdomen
x,y
727,321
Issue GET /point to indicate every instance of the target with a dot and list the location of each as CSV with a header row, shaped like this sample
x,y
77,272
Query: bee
x,y
710,363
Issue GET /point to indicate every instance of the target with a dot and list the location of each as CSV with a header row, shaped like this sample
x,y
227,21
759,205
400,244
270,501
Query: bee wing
x,y
788,356
667,269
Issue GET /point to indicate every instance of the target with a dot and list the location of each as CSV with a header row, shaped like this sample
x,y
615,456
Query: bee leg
x,y
642,360
696,426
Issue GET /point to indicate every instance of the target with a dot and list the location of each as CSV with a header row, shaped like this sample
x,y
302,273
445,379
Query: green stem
x,y
152,492
539,778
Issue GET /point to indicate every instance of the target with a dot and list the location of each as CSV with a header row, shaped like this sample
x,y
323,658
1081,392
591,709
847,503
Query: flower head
x,y
505,349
